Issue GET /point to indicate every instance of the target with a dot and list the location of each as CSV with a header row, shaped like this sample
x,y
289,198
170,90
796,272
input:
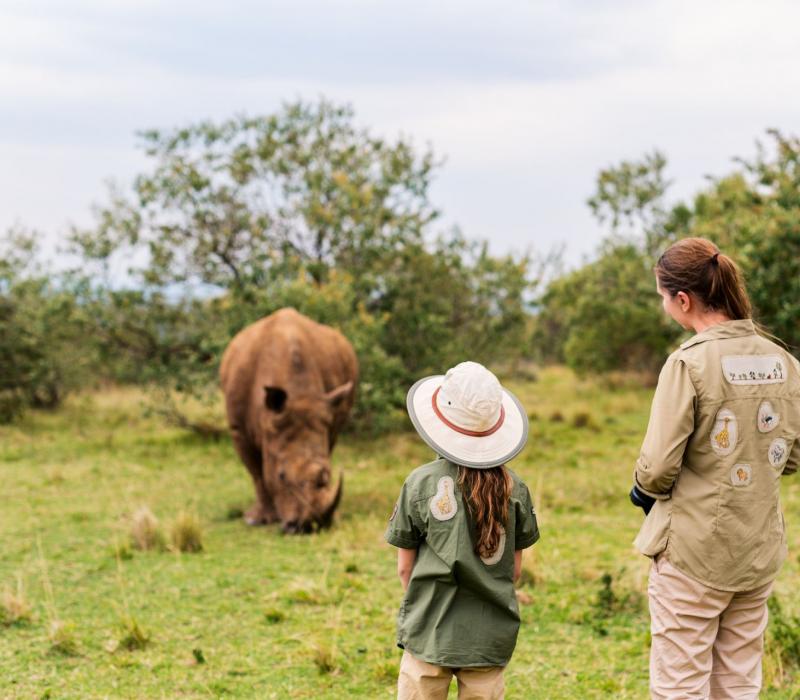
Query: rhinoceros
x,y
289,384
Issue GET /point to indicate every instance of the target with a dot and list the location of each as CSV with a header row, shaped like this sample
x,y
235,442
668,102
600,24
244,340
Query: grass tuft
x,y
583,419
61,635
132,635
121,549
14,606
186,532
273,616
325,658
144,530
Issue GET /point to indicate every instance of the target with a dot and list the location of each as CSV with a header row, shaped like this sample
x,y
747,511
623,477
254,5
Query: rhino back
x,y
286,350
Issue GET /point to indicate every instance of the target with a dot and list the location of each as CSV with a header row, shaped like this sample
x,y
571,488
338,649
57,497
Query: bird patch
x,y
778,452
443,503
753,369
768,419
725,432
498,554
741,475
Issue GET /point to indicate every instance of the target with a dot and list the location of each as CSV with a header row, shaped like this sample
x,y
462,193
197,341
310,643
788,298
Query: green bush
x,y
43,349
607,315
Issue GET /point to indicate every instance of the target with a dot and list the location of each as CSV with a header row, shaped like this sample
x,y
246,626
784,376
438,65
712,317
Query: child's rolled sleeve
x,y
405,528
526,529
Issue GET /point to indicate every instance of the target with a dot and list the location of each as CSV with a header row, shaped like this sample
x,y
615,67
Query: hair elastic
x,y
715,258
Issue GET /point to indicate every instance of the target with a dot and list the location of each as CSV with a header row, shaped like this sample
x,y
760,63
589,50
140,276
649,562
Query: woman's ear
x,y
685,301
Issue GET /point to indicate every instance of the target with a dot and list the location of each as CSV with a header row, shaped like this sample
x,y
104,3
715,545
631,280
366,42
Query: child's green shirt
x,y
459,610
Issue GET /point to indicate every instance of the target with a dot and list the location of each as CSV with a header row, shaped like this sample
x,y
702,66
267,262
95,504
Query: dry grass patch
x,y
186,532
145,532
14,607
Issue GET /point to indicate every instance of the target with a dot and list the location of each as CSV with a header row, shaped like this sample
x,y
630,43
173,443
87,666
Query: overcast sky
x,y
525,100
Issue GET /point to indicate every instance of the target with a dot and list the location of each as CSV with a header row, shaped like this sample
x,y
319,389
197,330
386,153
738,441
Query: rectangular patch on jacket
x,y
753,369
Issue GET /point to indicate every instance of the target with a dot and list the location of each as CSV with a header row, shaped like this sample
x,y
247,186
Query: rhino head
x,y
299,434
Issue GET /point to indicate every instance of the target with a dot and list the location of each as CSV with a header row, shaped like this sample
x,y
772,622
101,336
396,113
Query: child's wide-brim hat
x,y
467,417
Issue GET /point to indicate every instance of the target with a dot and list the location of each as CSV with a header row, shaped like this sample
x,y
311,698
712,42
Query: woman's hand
x,y
641,500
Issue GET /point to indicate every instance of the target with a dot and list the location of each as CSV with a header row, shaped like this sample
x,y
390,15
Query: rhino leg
x,y
262,512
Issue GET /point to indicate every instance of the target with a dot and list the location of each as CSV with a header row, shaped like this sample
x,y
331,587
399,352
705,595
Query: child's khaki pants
x,y
420,680
707,644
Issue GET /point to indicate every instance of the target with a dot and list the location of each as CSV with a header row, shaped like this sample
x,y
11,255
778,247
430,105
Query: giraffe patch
x,y
778,452
742,475
725,432
753,369
498,554
443,503
768,419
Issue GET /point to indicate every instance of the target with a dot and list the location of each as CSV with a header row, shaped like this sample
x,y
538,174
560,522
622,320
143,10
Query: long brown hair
x,y
696,266
487,493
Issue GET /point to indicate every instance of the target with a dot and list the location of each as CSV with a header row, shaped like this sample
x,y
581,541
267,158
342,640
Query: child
x,y
461,523
723,429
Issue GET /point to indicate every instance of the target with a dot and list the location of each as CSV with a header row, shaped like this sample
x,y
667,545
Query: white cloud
x,y
526,100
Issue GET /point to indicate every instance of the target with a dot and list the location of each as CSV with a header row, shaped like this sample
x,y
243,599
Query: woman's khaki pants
x,y
706,644
420,680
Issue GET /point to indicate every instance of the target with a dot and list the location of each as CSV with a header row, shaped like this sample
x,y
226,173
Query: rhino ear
x,y
274,399
335,396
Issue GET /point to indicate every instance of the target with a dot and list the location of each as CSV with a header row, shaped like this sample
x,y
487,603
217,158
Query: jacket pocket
x,y
654,533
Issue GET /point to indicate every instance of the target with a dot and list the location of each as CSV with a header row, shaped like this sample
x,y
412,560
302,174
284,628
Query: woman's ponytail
x,y
696,266
727,292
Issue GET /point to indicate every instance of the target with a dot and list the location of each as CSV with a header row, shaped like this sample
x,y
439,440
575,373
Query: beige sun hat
x,y
467,417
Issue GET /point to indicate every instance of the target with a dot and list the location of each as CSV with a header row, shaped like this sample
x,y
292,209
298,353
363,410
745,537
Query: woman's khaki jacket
x,y
723,428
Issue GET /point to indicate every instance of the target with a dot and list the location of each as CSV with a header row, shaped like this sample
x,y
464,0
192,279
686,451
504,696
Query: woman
x,y
723,429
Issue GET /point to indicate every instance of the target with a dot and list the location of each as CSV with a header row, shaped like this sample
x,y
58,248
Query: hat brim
x,y
467,450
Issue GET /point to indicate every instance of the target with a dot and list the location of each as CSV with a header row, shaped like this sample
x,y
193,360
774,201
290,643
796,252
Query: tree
x,y
754,215
630,198
226,204
42,329
606,315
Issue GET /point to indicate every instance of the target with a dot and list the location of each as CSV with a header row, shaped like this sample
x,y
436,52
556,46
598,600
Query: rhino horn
x,y
326,518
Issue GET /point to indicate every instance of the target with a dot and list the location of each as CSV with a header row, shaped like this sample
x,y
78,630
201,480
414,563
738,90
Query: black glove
x,y
641,500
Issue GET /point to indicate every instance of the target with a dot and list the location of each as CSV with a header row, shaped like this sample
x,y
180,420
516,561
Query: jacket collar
x,y
726,329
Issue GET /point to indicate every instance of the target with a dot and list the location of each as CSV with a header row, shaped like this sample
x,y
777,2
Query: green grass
x,y
259,614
